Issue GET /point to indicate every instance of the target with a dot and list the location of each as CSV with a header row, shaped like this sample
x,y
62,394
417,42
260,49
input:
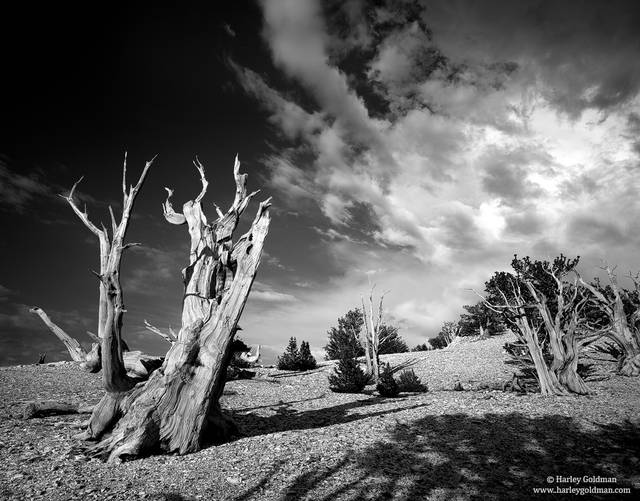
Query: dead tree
x,y
77,352
177,409
622,329
372,324
449,332
109,350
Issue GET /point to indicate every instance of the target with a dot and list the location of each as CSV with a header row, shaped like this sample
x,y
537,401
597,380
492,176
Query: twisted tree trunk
x,y
177,409
625,335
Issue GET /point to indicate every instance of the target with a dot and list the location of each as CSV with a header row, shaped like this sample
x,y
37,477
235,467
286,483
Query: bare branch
x,y
124,176
143,175
93,336
73,347
132,244
170,215
82,215
114,225
218,211
203,179
169,337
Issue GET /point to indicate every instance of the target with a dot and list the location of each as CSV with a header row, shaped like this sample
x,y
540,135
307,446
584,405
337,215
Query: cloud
x,y
263,292
272,297
5,293
291,118
296,35
578,54
482,147
154,271
18,191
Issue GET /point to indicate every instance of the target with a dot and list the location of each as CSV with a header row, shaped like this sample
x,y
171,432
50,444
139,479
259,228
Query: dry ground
x,y
301,441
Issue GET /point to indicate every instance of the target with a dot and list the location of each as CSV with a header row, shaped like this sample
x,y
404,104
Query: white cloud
x,y
464,173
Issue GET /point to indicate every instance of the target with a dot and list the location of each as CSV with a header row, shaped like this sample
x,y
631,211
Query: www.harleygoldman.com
x,y
580,486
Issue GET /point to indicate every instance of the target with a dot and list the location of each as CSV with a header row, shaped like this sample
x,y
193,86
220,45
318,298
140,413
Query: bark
x,y
623,333
564,329
548,380
562,334
177,408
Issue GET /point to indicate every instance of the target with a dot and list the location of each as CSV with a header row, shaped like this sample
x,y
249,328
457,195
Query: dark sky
x,y
414,145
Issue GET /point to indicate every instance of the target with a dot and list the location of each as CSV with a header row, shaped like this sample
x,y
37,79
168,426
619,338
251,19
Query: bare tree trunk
x,y
177,409
626,336
372,336
549,384
78,354
137,364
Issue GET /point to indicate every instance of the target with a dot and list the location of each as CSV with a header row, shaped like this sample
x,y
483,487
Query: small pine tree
x,y
408,381
289,359
391,341
343,340
387,386
305,360
348,377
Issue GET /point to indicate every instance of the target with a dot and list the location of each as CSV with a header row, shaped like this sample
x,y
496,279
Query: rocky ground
x,y
301,441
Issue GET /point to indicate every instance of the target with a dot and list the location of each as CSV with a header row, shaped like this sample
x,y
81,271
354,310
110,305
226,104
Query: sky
x,y
411,146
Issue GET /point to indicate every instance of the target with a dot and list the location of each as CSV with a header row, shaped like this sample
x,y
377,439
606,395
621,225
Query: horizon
x,y
412,145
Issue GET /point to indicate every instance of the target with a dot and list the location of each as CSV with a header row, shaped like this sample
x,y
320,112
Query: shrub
x,y
289,359
294,359
343,340
422,347
387,386
305,360
348,377
438,342
408,381
390,341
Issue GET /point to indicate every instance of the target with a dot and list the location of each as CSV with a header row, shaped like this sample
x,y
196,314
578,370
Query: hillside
x,y
301,441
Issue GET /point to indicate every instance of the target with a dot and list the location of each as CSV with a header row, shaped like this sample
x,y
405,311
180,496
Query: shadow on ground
x,y
496,456
287,418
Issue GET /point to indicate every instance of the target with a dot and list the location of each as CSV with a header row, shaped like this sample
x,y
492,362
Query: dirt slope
x,y
301,441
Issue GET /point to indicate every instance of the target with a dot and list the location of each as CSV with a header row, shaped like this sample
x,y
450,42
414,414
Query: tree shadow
x,y
287,418
495,456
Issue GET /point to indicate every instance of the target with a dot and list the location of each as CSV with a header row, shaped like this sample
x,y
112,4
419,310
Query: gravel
x,y
301,441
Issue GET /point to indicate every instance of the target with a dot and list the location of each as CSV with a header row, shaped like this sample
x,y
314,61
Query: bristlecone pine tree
x,y
545,309
623,326
176,410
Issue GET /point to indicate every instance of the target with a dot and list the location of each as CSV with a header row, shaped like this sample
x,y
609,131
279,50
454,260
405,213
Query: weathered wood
x,y
372,324
168,336
137,364
566,333
177,409
51,408
623,333
78,354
